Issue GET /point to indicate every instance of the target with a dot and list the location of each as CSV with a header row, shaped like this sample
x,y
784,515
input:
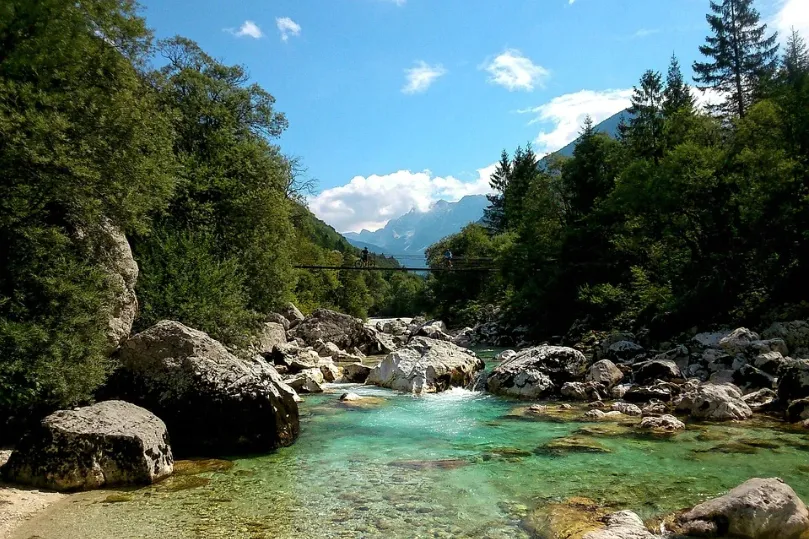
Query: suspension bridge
x,y
409,263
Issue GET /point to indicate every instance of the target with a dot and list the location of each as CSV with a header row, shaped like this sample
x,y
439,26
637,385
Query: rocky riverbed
x,y
326,426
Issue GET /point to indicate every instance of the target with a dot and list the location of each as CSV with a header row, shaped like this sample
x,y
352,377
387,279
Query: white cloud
x,y
514,71
645,32
421,77
792,14
249,29
566,114
371,202
287,27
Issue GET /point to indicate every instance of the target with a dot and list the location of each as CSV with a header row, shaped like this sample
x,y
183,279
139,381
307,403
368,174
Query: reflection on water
x,y
456,464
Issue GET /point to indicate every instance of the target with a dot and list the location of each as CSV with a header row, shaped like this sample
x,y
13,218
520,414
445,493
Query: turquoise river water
x,y
455,464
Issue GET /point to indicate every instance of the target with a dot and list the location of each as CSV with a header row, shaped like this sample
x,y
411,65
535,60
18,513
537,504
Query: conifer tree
x,y
493,215
796,56
646,124
740,55
677,95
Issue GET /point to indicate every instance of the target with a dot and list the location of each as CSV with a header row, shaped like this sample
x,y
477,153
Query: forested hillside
x,y
102,128
688,218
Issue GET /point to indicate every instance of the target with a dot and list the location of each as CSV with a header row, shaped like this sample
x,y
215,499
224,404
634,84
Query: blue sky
x,y
393,104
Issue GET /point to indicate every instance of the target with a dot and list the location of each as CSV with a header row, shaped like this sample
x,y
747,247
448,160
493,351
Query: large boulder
x,y
426,365
270,335
795,334
538,371
604,372
738,340
793,382
112,443
291,358
345,331
307,381
356,373
756,509
329,349
647,372
434,332
662,423
212,402
715,402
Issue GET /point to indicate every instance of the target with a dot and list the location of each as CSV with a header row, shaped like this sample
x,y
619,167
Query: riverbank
x,y
19,504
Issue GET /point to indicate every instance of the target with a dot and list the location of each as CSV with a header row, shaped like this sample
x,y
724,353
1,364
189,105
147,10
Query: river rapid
x,y
454,464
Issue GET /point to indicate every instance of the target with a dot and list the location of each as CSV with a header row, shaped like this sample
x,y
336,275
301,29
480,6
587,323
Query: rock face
x,y
756,509
345,331
715,403
604,372
111,443
426,365
211,401
536,372
110,246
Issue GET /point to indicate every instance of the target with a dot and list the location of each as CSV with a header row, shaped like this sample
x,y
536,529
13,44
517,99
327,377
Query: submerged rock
x,y
715,403
537,372
621,525
426,365
571,444
212,401
570,519
667,423
756,509
112,443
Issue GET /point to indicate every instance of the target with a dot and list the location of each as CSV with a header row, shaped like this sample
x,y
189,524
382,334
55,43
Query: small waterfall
x,y
479,383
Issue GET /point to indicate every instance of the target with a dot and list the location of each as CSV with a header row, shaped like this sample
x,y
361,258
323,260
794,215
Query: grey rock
x,y
793,382
294,358
619,391
604,372
535,367
574,391
112,443
278,319
798,410
426,365
749,378
291,313
627,408
621,525
356,373
350,397
307,381
665,422
738,340
795,334
654,408
763,398
434,332
769,362
624,351
345,331
715,402
213,403
756,509
505,355
647,372
270,335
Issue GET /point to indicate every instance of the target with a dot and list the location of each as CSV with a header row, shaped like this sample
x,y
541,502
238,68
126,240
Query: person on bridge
x,y
448,258
364,257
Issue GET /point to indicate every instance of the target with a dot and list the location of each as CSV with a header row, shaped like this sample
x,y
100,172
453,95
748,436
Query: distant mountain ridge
x,y
408,236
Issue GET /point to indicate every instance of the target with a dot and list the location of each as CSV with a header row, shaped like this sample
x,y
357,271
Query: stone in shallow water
x,y
570,519
111,443
198,466
571,444
667,423
442,464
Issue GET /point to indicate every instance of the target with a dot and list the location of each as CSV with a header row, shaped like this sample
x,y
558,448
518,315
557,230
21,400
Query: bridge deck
x,y
375,268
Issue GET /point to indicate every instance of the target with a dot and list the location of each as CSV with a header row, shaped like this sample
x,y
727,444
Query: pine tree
x,y
677,95
493,215
524,169
646,125
796,56
739,54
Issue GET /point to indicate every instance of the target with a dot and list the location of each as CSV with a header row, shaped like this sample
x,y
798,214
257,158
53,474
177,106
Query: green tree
x,y
494,215
796,56
645,132
740,54
677,96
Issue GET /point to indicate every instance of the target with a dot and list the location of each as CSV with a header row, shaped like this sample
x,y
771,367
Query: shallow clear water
x,y
456,464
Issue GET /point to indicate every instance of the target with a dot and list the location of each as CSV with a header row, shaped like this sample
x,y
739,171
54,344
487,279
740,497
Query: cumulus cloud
x,y
792,14
421,77
369,203
565,115
287,27
248,29
514,71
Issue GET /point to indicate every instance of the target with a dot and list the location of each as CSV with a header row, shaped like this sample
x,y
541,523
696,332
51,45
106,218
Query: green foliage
x,y
82,138
183,279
